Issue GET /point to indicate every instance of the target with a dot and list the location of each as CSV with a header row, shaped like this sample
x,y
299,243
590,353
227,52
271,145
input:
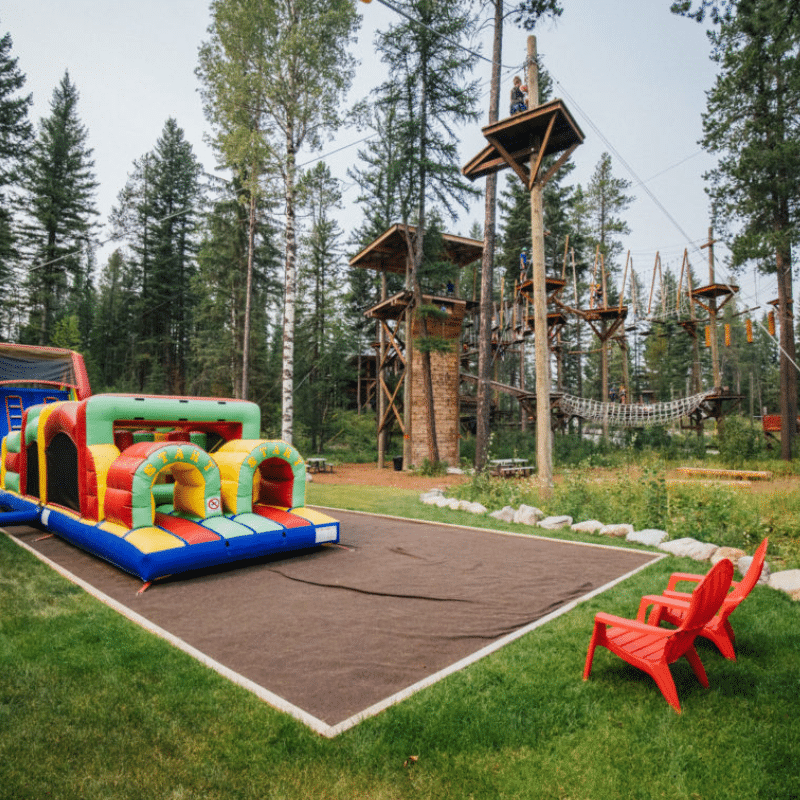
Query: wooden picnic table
x,y
510,467
318,465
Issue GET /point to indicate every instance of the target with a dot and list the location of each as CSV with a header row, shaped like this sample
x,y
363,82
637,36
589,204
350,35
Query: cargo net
x,y
631,415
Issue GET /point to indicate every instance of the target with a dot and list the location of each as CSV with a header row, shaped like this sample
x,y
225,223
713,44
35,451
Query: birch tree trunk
x,y
290,297
251,237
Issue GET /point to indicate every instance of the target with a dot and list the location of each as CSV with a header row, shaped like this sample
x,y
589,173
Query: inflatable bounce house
x,y
155,485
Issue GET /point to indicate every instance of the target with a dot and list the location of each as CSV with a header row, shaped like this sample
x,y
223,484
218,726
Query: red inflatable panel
x,y
12,460
281,517
117,506
189,531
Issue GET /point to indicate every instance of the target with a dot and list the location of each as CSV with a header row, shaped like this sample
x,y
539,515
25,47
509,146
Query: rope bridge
x,y
631,415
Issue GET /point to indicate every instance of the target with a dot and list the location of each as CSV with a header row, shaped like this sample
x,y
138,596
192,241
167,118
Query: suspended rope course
x,y
632,415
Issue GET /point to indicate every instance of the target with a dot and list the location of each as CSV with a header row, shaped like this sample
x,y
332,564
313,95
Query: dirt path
x,y
370,475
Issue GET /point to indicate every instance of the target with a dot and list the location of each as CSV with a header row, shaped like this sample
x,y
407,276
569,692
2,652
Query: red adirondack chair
x,y
718,629
653,649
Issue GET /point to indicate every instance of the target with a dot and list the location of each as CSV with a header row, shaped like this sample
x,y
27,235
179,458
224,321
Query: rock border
x,y
787,581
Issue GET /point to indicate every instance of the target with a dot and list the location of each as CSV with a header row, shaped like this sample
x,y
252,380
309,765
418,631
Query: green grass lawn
x,y
93,707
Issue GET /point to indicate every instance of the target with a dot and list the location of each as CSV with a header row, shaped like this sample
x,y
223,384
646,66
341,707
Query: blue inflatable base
x,y
247,545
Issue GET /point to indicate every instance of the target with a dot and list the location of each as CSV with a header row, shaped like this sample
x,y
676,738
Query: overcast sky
x,y
633,75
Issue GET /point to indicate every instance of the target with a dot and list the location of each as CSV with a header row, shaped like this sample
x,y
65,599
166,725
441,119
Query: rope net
x,y
631,415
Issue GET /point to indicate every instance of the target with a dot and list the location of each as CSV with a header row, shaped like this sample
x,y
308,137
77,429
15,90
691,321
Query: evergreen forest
x,y
240,286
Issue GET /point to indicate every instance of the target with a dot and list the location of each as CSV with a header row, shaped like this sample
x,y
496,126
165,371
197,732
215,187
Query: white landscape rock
x,y
528,515
743,564
652,537
554,523
690,548
787,580
430,497
505,514
731,553
447,502
587,526
472,507
619,530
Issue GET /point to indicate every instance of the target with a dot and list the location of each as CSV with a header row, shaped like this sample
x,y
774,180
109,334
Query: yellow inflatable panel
x,y
153,540
113,527
317,517
104,456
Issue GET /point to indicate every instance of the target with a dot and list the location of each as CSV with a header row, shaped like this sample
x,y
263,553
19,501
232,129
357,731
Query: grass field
x,y
93,707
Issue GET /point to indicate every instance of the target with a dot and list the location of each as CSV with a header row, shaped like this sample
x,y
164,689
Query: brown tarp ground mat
x,y
336,630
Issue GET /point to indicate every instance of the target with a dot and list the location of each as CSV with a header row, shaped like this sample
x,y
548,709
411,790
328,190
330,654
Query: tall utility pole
x,y
521,142
544,444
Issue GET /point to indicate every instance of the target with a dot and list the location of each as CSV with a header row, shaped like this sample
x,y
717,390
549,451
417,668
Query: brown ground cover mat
x,y
338,630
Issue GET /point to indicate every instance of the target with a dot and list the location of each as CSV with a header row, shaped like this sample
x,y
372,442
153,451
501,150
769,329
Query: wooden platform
x,y
389,252
547,130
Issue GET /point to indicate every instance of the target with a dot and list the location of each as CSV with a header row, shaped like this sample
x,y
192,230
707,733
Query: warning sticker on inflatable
x,y
213,505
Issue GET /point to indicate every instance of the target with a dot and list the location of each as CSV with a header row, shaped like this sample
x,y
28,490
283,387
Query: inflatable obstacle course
x,y
157,485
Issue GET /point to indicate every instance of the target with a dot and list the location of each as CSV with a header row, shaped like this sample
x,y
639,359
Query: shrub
x,y
739,441
431,469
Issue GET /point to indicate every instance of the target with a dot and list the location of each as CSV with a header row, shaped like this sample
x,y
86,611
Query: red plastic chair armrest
x,y
678,595
677,577
666,599
630,624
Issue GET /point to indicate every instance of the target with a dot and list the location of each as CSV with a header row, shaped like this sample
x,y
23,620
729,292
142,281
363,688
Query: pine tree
x,y
605,200
379,172
380,175
431,94
751,125
59,181
15,134
320,279
220,288
157,214
668,350
113,340
176,204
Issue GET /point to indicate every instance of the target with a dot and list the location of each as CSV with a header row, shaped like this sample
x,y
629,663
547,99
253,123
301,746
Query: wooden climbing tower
x,y
400,391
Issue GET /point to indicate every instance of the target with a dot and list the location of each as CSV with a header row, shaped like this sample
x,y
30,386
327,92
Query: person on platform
x,y
519,96
523,267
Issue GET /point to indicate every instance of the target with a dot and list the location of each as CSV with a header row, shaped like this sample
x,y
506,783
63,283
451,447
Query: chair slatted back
x,y
704,604
750,579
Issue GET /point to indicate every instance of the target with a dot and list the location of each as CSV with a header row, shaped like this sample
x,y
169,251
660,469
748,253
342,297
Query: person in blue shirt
x,y
519,96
